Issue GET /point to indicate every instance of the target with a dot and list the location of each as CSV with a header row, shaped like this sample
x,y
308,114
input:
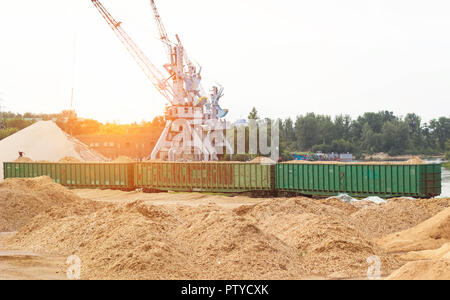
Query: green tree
x,y
307,132
253,115
413,122
395,137
440,130
7,132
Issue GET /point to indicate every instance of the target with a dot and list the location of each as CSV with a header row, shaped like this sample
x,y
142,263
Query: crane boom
x,y
193,117
162,30
152,73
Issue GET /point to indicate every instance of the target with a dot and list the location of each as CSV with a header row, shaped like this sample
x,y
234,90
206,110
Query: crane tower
x,y
194,128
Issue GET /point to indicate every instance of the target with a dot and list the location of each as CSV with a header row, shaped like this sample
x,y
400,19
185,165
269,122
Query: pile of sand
x,y
123,159
423,270
69,159
23,159
21,199
396,214
44,140
116,241
262,160
442,252
415,160
430,264
225,245
275,239
137,241
326,244
430,234
281,238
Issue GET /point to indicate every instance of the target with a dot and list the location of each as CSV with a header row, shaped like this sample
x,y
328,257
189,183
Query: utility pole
x,y
2,116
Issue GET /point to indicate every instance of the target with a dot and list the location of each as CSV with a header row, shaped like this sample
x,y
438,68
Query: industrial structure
x,y
194,128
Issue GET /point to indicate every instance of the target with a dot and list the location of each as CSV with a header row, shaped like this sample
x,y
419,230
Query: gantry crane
x,y
194,128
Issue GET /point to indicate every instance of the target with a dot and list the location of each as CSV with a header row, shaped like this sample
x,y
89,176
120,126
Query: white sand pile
x,y
44,140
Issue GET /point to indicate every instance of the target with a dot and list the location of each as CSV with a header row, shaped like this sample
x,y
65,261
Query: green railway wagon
x,y
359,180
76,175
220,177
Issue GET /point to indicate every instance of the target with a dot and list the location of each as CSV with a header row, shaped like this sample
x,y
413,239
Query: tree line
x,y
369,133
69,122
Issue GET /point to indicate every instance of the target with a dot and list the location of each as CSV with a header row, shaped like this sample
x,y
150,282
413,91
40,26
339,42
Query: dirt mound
x,y
226,245
397,214
326,244
276,239
331,247
442,252
415,160
22,198
430,234
423,270
262,160
116,241
123,159
23,159
69,159
138,241
343,206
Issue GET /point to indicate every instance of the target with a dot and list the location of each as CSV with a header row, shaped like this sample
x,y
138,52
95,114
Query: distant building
x,y
136,145
241,122
346,156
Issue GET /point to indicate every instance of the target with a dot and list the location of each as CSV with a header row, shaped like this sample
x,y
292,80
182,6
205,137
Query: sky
x,y
283,57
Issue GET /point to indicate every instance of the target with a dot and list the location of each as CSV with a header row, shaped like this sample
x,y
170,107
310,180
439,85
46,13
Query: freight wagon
x,y
221,177
357,180
76,175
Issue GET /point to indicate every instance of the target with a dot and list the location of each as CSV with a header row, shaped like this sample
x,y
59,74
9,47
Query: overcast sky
x,y
283,57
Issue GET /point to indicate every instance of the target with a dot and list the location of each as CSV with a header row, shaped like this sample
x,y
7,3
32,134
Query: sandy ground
x,y
136,235
20,264
171,198
26,265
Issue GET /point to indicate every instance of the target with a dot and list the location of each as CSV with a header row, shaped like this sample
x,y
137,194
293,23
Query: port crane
x,y
194,128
